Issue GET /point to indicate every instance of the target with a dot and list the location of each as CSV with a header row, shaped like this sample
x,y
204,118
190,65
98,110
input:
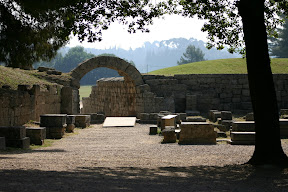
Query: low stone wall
x,y
17,107
203,92
179,93
112,97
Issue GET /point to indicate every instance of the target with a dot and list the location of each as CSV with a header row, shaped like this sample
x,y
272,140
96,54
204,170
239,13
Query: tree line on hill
x,y
160,54
149,57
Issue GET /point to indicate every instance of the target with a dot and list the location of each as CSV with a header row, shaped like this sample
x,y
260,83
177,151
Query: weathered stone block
x,y
70,119
55,132
96,118
67,100
159,120
43,69
168,120
195,119
283,127
37,135
55,135
197,133
153,116
23,143
250,117
221,134
181,117
144,116
243,126
82,121
153,130
53,120
219,121
242,138
169,135
226,115
18,132
2,143
70,128
53,72
214,115
227,124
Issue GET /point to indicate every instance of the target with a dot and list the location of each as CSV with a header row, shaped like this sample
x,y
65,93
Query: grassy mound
x,y
14,77
220,66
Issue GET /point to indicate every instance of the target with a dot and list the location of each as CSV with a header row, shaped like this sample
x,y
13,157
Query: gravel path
x,y
128,159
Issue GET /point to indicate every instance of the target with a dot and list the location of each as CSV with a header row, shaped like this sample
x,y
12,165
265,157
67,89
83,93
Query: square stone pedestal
x,y
197,133
168,120
37,135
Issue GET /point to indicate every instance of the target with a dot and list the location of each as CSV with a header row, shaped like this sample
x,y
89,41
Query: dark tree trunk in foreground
x,y
268,149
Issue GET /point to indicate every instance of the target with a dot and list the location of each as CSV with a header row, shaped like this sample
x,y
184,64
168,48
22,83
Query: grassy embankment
x,y
15,77
220,66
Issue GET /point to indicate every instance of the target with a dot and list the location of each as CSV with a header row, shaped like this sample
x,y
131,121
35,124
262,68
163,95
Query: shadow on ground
x,y
203,178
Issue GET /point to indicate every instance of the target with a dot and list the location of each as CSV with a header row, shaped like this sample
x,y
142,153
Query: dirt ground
x,y
128,159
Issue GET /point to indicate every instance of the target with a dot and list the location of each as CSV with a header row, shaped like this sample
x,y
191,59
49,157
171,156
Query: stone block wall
x,y
17,107
112,97
179,93
212,91
148,102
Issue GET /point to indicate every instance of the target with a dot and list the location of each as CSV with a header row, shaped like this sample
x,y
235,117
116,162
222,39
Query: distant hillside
x,y
220,66
162,54
149,57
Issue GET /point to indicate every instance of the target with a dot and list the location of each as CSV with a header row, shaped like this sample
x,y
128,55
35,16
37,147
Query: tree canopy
x,y
224,25
279,46
31,32
192,54
34,30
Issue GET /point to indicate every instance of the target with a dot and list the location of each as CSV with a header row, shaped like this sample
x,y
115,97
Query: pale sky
x,y
173,26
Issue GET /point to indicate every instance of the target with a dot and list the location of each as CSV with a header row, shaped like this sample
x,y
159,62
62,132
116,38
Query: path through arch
x,y
131,77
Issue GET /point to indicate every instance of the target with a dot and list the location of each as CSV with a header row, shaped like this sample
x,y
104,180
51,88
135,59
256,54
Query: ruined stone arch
x,y
131,75
124,68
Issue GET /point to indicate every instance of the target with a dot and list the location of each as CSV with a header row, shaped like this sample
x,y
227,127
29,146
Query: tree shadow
x,y
21,151
198,178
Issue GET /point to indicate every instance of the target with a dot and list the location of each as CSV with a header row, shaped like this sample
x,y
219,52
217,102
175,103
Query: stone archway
x,y
131,75
123,67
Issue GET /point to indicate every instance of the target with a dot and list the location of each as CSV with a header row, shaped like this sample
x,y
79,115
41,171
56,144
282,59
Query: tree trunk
x,y
268,149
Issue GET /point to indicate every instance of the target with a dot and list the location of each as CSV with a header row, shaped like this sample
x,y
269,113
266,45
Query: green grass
x,y
220,66
14,77
85,91
47,143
